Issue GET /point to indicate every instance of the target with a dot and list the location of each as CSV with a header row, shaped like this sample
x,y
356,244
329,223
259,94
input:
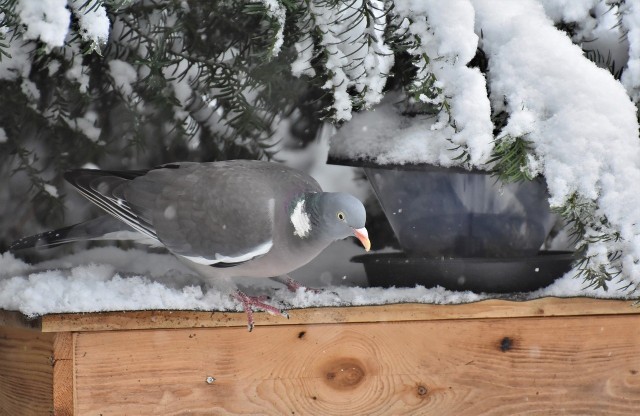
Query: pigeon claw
x,y
293,286
249,303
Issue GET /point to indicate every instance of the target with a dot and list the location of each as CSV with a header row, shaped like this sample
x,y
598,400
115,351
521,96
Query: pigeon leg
x,y
293,285
250,302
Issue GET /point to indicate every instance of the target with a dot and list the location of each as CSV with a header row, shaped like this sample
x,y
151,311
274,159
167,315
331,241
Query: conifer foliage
x,y
133,83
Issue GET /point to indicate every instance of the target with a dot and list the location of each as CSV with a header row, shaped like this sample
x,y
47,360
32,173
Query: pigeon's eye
x,y
341,216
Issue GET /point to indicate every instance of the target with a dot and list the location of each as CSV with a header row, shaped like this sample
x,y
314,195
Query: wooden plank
x,y
17,320
398,312
26,372
562,365
63,374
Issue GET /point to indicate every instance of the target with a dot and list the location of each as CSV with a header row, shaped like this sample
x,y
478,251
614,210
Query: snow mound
x,y
111,279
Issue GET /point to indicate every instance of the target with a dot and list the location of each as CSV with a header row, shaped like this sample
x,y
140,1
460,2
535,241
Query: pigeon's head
x,y
341,215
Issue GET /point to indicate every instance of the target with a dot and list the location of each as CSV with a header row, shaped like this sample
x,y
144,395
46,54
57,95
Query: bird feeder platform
x,y
498,357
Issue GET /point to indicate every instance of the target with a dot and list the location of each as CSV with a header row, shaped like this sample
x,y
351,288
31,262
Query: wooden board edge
x,y
492,308
63,373
15,319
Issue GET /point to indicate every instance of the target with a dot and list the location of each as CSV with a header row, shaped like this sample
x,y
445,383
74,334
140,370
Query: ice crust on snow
x,y
111,279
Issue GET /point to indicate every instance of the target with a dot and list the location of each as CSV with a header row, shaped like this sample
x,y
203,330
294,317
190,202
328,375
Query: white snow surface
x,y
112,279
553,92
581,121
46,20
631,22
19,65
447,37
353,59
600,28
124,76
568,10
94,23
77,72
384,136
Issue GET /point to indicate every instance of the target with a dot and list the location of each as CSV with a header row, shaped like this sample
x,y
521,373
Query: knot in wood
x,y
344,374
506,344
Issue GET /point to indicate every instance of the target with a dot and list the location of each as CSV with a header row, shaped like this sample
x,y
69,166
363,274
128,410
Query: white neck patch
x,y
300,220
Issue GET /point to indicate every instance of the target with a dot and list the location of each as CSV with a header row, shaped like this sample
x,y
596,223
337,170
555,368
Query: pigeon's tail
x,y
105,227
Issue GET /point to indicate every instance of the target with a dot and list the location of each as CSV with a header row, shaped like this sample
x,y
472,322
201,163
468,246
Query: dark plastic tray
x,y
490,275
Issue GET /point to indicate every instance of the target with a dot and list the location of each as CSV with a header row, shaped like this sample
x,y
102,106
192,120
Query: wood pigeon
x,y
238,218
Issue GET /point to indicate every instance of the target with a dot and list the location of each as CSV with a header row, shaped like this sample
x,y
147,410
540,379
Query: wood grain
x,y
26,372
492,308
63,373
562,365
15,319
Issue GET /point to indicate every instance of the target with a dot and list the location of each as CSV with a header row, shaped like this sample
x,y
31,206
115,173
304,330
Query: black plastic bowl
x,y
452,212
489,275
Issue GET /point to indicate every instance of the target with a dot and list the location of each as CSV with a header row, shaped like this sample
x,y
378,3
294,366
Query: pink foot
x,y
250,302
293,285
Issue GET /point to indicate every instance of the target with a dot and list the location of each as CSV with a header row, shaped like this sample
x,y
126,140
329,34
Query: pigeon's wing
x,y
102,188
219,214
105,189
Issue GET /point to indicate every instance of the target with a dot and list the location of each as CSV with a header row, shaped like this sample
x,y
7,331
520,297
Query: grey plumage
x,y
223,219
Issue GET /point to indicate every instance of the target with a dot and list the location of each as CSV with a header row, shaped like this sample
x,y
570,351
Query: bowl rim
x,y
428,167
401,257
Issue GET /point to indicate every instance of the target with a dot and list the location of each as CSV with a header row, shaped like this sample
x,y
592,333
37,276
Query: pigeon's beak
x,y
362,235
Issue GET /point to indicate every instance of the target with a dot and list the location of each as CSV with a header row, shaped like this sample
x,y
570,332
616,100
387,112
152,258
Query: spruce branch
x,y
588,230
509,159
